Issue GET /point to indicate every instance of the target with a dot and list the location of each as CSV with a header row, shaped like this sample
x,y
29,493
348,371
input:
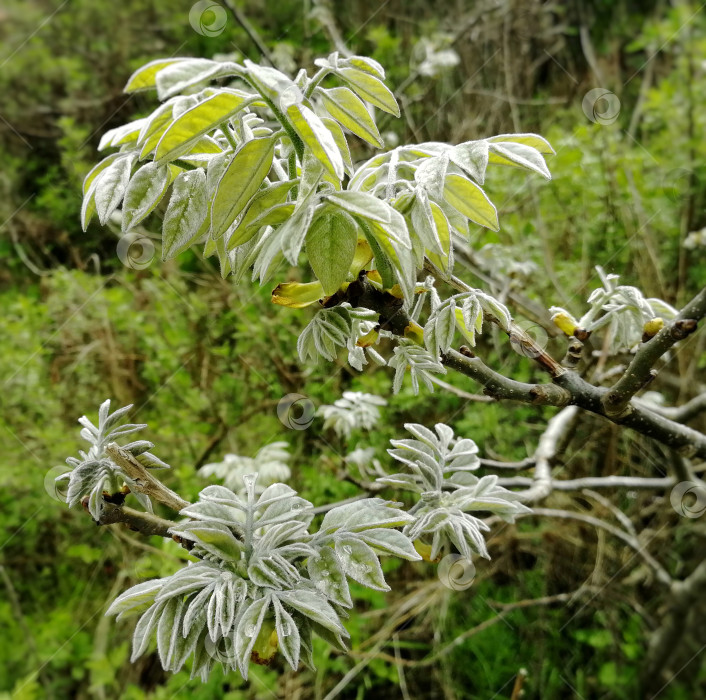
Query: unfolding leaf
x,y
297,295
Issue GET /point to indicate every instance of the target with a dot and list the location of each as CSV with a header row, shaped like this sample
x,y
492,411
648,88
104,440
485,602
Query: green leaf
x,y
261,212
192,124
444,262
470,200
145,78
471,156
343,105
339,137
147,187
330,245
110,186
362,204
187,209
240,181
293,233
371,89
317,138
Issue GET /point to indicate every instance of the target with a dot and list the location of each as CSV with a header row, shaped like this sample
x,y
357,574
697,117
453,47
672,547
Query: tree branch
x,y
616,401
143,481
139,521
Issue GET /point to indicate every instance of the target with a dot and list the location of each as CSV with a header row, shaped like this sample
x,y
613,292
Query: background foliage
x,y
206,362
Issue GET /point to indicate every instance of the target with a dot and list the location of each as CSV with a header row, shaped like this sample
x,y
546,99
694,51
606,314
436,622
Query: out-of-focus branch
x,y
547,449
242,20
681,414
660,572
665,640
595,482
617,399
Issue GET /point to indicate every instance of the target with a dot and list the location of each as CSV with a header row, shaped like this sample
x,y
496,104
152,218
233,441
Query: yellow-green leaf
x,y
371,89
240,181
145,78
317,138
443,232
297,295
532,140
470,200
344,106
190,126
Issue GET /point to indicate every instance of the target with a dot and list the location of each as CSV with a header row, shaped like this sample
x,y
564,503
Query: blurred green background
x,y
205,362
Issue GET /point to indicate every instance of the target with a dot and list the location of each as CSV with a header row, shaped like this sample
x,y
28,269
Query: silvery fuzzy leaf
x,y
360,563
326,573
190,579
247,630
276,535
431,175
174,642
315,607
136,599
364,514
334,639
144,629
307,647
407,482
354,410
203,661
287,510
464,455
440,328
273,571
429,522
418,361
391,542
287,634
187,644
165,627
329,329
472,156
220,494
494,308
213,537
211,511
149,461
465,533
197,606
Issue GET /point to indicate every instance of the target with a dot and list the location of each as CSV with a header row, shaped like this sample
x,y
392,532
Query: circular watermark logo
x,y
688,499
678,184
208,18
456,572
601,106
534,344
222,650
296,411
135,251
57,489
